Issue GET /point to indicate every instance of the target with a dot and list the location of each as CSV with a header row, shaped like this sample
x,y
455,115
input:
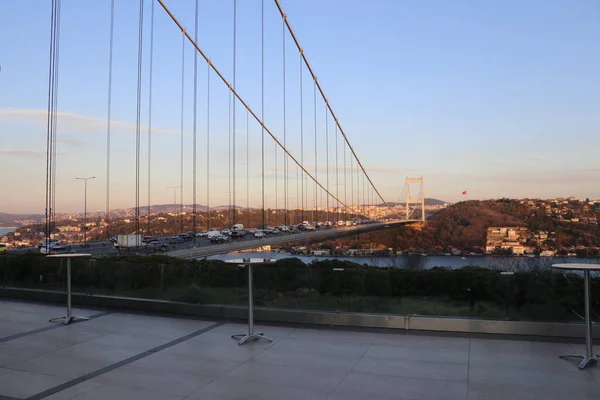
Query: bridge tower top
x,y
420,197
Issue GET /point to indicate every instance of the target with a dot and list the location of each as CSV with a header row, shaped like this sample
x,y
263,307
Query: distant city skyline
x,y
498,99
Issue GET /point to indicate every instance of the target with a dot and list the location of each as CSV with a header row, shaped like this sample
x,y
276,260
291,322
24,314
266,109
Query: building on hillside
x,y
507,238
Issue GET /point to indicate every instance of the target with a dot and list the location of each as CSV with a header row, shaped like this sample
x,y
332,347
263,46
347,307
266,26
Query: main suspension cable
x,y
284,16
237,95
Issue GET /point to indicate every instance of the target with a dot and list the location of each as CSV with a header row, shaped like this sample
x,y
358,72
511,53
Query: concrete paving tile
x,y
60,365
105,392
231,351
412,369
97,352
161,331
274,332
22,384
333,336
578,383
305,377
73,391
165,382
224,338
435,353
322,347
336,395
230,388
122,339
77,333
303,359
403,339
369,385
206,366
495,391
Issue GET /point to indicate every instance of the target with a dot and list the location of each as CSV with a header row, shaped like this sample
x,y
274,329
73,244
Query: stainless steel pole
x,y
68,319
250,302
588,319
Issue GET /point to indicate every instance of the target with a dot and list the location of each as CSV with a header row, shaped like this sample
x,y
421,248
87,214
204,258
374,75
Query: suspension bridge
x,y
254,127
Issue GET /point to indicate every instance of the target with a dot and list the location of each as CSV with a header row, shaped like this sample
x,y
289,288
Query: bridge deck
x,y
117,355
321,234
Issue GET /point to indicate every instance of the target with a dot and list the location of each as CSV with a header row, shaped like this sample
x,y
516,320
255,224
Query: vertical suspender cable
x,y
181,130
327,159
316,164
234,101
229,164
337,174
195,145
51,125
247,169
150,114
207,147
285,171
345,186
262,109
351,186
302,135
108,117
55,107
138,118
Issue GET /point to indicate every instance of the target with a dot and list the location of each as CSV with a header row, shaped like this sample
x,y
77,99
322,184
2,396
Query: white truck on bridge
x,y
124,241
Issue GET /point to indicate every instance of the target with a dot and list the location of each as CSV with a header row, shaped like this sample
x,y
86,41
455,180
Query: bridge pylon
x,y
420,198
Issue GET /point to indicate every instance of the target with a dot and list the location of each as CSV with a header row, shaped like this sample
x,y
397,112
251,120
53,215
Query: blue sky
x,y
498,98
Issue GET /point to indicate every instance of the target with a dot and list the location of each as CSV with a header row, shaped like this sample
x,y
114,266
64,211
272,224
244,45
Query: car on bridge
x,y
219,239
155,246
3,248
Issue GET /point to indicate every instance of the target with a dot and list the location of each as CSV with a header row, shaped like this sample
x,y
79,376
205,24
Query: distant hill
x,y
428,202
464,226
7,219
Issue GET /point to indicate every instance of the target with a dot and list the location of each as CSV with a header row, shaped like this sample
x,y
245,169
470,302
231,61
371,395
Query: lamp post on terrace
x,y
85,208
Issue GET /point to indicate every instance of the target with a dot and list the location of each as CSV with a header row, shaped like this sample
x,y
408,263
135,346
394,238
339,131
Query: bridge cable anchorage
x,y
138,118
194,130
301,51
238,96
109,112
181,133
150,81
233,221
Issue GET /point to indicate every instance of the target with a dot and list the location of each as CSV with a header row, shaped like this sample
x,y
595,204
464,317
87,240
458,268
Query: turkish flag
x,y
464,192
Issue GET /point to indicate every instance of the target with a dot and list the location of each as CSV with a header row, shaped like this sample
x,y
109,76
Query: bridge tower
x,y
420,198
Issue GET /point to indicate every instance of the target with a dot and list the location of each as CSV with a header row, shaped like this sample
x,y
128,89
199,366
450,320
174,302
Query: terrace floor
x,y
119,355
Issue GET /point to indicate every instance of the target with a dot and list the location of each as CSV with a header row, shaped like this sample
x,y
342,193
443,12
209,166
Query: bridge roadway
x,y
320,234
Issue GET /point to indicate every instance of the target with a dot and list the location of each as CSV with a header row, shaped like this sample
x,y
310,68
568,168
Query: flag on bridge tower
x,y
464,192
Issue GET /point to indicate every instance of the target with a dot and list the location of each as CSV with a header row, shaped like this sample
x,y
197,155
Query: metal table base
x,y
589,355
251,335
66,320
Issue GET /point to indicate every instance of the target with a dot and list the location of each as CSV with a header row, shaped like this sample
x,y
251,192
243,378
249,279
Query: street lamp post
x,y
85,208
